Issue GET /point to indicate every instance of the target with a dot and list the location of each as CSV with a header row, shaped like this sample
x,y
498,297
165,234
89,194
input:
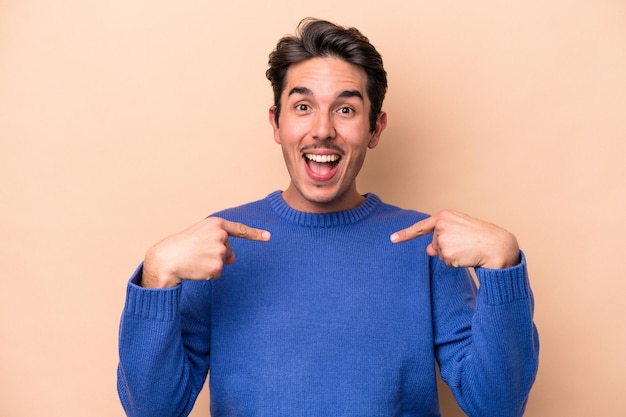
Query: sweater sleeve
x,y
163,347
487,344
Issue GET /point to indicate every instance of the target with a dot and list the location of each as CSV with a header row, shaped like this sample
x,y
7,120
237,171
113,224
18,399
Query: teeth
x,y
322,158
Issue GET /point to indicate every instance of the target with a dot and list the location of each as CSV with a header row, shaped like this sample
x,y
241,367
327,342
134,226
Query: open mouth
x,y
322,166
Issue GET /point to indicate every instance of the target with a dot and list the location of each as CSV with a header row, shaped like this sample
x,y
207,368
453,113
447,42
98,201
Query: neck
x,y
297,201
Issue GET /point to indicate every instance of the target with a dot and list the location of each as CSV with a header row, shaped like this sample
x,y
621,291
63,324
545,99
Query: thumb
x,y
229,258
430,250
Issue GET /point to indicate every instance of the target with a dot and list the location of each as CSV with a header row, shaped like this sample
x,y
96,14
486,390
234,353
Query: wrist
x,y
507,256
503,263
155,272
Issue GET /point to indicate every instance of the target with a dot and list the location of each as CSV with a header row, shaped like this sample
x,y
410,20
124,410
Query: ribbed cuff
x,y
501,286
151,303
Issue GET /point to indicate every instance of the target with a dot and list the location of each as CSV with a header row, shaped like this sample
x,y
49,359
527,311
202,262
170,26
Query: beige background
x,y
123,121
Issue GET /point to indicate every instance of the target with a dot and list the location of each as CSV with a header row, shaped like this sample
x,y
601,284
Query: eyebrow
x,y
301,90
351,93
344,94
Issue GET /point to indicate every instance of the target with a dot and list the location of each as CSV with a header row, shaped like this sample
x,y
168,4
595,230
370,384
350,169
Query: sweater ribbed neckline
x,y
340,218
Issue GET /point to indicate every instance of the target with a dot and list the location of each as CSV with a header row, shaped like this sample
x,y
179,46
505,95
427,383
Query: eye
x,y
346,110
301,107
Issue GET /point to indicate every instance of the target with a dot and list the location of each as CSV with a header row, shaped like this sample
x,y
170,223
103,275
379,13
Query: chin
x,y
321,198
327,200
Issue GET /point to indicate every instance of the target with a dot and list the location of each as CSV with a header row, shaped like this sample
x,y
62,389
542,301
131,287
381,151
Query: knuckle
x,y
221,252
242,229
445,214
215,267
213,221
452,263
409,233
445,253
221,235
214,275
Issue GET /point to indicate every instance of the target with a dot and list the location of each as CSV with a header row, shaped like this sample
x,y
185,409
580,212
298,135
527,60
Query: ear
x,y
274,123
381,124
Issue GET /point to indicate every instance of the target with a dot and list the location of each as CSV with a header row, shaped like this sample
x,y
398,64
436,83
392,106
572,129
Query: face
x,y
324,133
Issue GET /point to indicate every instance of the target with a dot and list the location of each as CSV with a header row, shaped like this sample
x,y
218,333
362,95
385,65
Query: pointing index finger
x,y
242,231
421,228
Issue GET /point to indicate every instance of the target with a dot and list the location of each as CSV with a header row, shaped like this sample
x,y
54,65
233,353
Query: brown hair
x,y
320,38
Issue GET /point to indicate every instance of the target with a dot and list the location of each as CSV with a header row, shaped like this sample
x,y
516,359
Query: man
x,y
328,302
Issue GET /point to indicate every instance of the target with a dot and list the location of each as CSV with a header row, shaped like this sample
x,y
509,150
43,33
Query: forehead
x,y
326,76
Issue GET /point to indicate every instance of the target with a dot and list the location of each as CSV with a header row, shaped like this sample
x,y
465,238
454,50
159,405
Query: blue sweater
x,y
329,318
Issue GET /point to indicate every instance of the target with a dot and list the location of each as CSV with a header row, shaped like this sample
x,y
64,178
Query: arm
x,y
486,344
164,348
165,334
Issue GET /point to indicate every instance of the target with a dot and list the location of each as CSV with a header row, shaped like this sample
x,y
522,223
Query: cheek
x,y
359,141
292,134
359,152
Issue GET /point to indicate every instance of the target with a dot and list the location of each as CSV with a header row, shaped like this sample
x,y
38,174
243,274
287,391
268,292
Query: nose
x,y
323,128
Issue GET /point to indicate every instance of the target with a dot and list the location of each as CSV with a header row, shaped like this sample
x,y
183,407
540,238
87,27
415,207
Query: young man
x,y
328,302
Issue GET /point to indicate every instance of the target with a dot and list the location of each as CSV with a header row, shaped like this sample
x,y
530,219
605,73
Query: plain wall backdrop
x,y
124,121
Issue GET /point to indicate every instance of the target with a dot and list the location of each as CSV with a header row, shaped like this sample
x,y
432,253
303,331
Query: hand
x,y
197,253
462,241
